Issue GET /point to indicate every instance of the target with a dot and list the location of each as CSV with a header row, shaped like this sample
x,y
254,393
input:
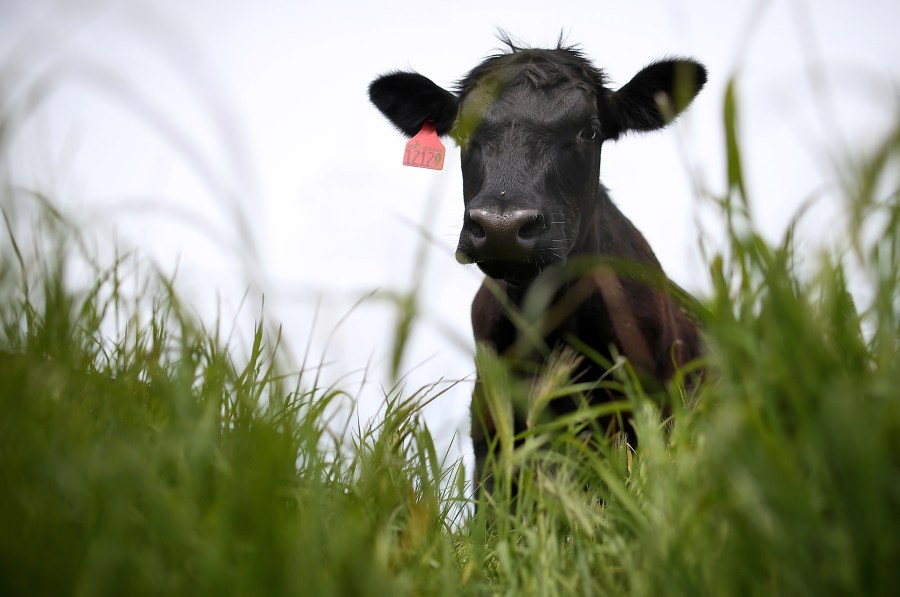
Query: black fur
x,y
530,124
635,107
409,99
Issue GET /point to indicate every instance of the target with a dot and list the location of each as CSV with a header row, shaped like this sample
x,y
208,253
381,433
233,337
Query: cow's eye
x,y
588,133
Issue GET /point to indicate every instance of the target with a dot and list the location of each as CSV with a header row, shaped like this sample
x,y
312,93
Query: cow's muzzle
x,y
502,235
502,242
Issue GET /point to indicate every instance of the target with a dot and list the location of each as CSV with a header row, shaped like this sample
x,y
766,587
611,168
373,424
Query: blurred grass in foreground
x,y
150,460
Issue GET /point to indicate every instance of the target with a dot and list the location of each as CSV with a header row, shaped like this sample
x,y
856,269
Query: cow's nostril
x,y
532,227
474,226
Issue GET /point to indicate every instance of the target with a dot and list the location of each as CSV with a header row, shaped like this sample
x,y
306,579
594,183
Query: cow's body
x,y
530,124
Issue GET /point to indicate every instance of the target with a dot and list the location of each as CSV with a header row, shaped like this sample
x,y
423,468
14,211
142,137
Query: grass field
x,y
138,455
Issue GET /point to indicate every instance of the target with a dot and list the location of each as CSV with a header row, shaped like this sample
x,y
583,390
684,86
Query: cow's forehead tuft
x,y
530,93
535,68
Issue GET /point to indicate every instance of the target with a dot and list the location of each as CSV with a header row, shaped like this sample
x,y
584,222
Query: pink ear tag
x,y
425,150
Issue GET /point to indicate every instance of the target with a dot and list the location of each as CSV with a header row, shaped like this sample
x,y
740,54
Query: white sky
x,y
162,128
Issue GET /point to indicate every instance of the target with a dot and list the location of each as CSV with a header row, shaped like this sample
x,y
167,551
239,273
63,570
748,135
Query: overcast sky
x,y
236,140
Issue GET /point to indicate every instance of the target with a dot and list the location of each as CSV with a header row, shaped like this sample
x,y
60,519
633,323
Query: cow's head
x,y
530,124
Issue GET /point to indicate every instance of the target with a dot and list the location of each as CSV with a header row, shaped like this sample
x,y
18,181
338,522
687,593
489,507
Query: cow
x,y
530,124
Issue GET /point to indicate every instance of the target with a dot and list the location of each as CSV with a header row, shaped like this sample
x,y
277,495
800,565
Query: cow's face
x,y
530,165
530,125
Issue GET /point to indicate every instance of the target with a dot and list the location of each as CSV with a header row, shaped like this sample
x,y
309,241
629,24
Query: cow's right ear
x,y
409,99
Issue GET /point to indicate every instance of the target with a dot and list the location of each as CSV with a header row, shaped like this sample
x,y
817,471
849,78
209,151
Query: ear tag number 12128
x,y
425,150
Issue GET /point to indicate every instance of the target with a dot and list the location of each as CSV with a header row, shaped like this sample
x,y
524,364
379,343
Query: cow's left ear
x,y
409,99
654,97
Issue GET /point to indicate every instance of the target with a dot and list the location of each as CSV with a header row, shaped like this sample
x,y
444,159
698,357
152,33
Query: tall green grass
x,y
154,462
139,455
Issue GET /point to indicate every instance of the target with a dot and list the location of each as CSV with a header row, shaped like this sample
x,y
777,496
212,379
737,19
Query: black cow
x,y
530,124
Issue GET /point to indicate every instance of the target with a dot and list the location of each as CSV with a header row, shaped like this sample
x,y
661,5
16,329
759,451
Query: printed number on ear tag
x,y
425,150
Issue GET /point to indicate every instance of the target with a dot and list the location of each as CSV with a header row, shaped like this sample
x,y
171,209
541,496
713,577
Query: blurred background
x,y
233,145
